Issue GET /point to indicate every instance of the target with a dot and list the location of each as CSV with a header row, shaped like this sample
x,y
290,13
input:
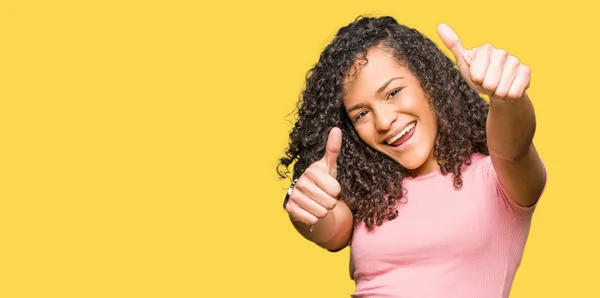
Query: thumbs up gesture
x,y
316,191
486,69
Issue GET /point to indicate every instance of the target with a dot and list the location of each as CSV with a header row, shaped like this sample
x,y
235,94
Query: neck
x,y
429,166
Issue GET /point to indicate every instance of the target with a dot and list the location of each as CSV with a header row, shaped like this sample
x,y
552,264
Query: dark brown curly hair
x,y
371,182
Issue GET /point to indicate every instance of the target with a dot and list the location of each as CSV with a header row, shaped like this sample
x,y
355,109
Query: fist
x,y
486,69
316,192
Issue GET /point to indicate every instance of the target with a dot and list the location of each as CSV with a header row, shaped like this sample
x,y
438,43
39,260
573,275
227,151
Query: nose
x,y
384,117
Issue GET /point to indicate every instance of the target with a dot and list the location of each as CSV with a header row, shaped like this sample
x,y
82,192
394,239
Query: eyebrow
x,y
360,105
387,83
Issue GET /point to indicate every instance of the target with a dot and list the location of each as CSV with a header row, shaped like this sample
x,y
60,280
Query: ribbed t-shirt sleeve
x,y
495,185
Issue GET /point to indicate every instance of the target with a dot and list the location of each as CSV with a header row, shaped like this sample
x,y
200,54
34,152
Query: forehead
x,y
366,76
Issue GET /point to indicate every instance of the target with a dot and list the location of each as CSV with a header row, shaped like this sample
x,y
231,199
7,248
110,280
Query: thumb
x,y
452,42
332,151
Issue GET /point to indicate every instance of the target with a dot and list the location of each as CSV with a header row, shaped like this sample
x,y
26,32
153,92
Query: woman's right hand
x,y
316,191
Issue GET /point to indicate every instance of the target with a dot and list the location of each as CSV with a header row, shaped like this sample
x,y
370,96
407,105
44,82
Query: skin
x,y
511,119
382,100
379,113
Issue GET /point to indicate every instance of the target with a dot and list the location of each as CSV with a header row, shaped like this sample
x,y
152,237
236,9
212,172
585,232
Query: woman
x,y
399,157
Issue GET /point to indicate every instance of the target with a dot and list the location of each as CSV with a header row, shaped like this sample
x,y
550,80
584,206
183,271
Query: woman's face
x,y
391,112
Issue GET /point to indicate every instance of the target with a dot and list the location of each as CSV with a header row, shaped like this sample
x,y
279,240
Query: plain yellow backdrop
x,y
138,143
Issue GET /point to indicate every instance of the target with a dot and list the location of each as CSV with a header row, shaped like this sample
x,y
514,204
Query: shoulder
x,y
483,176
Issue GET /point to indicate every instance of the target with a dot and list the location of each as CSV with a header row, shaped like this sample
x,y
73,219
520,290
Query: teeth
x,y
399,135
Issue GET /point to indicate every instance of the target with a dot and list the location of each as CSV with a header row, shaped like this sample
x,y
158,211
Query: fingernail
x,y
310,228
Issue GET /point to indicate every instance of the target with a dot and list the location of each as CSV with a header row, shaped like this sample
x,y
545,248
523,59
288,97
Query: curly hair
x,y
371,182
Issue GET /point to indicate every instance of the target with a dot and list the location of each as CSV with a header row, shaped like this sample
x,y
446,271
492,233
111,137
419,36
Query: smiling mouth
x,y
403,135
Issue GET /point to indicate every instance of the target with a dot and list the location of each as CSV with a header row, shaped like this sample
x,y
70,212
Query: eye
x,y
394,93
360,115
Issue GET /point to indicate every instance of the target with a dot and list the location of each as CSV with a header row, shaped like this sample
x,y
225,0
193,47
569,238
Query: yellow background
x,y
138,143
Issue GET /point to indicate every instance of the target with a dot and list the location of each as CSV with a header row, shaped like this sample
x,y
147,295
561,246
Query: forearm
x,y
510,127
333,232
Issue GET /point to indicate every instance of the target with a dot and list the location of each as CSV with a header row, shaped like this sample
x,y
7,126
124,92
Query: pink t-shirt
x,y
448,243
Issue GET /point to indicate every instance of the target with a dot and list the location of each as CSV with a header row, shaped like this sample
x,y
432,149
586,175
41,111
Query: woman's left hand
x,y
486,69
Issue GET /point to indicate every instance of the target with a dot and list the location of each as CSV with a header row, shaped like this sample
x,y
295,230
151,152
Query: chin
x,y
412,161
